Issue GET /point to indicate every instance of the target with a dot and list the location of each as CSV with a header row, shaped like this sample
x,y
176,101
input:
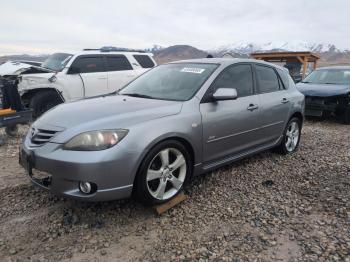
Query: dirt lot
x,y
263,208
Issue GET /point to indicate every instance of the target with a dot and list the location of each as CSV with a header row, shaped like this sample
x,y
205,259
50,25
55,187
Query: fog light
x,y
85,187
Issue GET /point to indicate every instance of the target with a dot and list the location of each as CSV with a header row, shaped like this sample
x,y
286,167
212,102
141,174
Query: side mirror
x,y
225,94
73,70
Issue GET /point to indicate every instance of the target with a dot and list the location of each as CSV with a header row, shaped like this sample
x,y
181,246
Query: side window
x,y
284,77
89,64
237,76
118,63
144,60
267,79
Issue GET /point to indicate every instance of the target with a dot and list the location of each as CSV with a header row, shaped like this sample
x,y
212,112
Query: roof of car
x,y
334,67
227,61
98,52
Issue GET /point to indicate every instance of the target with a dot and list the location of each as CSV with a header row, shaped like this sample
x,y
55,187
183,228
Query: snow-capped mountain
x,y
245,48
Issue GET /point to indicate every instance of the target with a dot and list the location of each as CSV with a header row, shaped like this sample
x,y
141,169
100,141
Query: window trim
x,y
116,55
90,56
207,97
280,82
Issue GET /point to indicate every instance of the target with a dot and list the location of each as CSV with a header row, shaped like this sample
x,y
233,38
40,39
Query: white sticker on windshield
x,y
192,70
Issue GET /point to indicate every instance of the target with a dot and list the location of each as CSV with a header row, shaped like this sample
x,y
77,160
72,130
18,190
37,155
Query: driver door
x,y
230,126
93,74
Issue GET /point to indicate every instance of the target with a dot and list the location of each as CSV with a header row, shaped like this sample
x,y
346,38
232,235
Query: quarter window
x,y
118,63
267,79
144,60
238,77
89,64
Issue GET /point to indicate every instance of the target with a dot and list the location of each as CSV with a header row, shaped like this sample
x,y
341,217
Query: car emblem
x,y
34,132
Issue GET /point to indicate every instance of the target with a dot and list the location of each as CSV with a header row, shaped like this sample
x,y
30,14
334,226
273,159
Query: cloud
x,y
44,26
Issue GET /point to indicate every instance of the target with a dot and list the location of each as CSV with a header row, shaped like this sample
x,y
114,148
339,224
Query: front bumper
x,y
112,170
319,106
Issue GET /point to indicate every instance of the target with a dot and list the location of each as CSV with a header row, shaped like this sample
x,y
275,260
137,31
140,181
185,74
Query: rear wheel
x,y
44,101
291,137
163,173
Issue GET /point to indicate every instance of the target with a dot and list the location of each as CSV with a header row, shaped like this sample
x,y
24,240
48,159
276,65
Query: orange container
x,y
7,111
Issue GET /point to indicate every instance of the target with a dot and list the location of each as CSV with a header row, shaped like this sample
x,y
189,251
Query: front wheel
x,y
346,116
44,101
163,173
291,137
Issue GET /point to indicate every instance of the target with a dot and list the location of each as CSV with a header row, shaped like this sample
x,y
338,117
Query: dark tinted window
x,y
267,79
118,63
237,76
89,64
144,60
284,77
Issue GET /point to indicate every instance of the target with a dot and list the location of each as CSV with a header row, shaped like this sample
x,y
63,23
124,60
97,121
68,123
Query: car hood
x,y
322,90
16,68
107,112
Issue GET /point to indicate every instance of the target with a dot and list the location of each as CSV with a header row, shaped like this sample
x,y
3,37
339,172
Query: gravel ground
x,y
267,207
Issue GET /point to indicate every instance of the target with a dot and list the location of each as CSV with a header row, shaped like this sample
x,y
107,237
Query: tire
x,y
11,131
346,116
291,137
155,175
44,101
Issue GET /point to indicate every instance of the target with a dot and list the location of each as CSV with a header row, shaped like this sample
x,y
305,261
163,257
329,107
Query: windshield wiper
x,y
330,83
138,95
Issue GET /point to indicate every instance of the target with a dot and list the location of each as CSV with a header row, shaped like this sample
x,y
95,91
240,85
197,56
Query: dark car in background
x,y
327,92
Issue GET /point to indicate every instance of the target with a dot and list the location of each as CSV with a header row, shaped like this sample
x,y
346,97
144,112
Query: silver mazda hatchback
x,y
175,121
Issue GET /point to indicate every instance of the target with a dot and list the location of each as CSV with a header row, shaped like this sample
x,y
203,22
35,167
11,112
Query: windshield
x,y
329,76
178,82
57,61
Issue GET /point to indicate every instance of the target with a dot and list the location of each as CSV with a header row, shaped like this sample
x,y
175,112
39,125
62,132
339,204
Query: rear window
x,y
284,78
144,60
267,79
118,63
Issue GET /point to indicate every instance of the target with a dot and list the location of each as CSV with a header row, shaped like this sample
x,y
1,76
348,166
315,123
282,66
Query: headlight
x,y
95,140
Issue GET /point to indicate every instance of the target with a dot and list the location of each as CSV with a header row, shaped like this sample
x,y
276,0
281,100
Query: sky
x,y
36,27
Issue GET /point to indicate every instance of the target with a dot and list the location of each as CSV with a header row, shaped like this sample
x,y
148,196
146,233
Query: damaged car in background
x,y
66,77
327,93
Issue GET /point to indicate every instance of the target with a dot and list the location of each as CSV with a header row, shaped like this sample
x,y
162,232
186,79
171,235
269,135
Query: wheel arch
x,y
29,94
185,142
298,115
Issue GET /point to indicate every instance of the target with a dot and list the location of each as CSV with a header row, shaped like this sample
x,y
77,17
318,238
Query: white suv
x,y
67,77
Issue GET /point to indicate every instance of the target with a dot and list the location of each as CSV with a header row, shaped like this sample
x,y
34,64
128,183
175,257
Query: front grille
x,y
40,137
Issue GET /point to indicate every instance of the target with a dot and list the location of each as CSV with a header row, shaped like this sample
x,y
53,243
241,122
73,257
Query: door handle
x,y
284,101
252,107
102,78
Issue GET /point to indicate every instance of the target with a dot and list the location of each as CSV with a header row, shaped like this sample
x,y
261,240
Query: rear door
x,y
93,74
274,102
230,127
120,72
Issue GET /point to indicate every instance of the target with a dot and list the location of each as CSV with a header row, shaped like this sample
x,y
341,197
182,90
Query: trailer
x,y
12,112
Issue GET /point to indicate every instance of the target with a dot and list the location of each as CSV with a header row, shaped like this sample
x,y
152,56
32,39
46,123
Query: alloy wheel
x,y
292,136
166,173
